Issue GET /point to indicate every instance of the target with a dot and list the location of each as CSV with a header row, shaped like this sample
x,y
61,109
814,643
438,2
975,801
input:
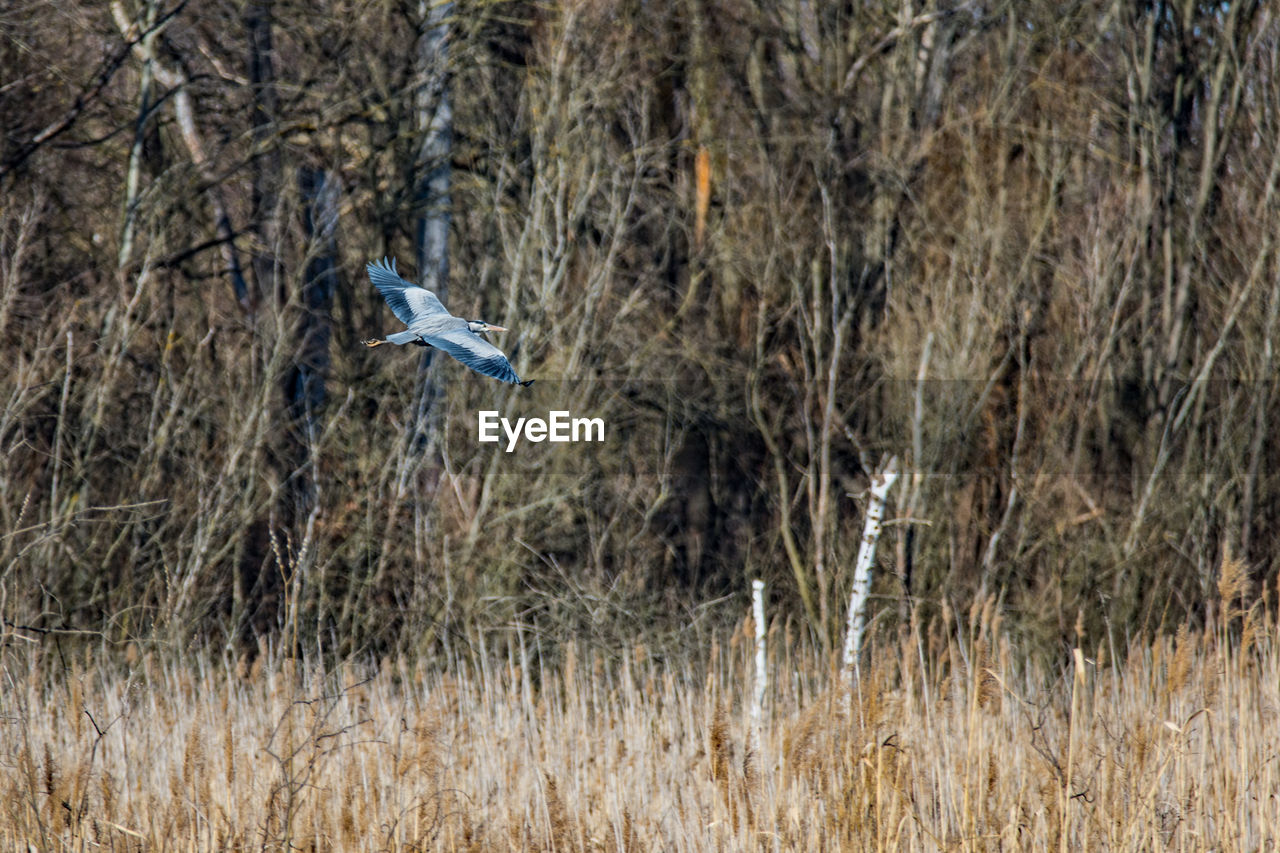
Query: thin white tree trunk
x,y
433,169
133,175
176,81
762,672
880,485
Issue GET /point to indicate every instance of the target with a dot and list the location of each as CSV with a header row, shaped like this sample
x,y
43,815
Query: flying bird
x,y
431,325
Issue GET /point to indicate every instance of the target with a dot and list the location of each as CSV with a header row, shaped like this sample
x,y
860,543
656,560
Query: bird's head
x,y
479,326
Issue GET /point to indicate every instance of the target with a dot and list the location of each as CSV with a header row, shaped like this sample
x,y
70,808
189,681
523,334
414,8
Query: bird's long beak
x,y
493,328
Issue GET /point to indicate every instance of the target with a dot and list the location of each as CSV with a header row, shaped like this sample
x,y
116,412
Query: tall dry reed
x,y
948,743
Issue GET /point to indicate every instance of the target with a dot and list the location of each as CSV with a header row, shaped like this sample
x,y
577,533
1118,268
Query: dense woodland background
x,y
1028,247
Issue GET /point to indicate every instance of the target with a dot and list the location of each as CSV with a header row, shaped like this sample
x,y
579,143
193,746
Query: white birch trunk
x,y
176,81
132,176
856,623
762,673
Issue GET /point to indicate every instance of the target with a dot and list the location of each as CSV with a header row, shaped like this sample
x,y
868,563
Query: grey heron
x,y
431,325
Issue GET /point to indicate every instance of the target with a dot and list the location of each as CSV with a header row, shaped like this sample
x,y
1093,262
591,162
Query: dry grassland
x,y
948,744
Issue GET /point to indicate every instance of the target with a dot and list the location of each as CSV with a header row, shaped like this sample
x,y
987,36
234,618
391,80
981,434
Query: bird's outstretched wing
x,y
408,301
476,353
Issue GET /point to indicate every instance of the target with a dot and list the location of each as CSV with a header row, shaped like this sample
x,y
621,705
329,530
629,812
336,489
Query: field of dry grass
x,y
948,744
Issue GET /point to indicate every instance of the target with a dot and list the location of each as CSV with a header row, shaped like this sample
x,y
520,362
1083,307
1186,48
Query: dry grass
x,y
1173,748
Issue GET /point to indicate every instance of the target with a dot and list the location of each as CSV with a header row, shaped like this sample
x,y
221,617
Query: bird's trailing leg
x,y
399,338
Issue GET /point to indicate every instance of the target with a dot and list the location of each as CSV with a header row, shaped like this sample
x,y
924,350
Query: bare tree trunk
x,y
304,382
266,167
433,176
266,567
433,170
761,685
176,80
132,176
856,619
